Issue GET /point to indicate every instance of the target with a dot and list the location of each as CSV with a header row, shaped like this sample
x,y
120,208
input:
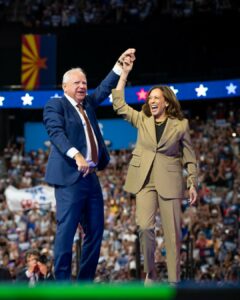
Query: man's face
x,y
76,86
32,262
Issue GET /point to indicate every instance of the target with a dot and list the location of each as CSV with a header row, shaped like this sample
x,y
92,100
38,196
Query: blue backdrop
x,y
118,132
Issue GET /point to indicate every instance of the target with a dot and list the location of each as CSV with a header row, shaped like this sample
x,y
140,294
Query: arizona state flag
x,y
38,61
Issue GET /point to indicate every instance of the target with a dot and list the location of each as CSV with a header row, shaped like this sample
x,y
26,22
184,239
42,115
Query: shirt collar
x,y
71,100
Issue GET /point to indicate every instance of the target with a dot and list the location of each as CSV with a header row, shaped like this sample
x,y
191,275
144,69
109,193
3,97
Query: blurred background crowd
x,y
211,235
75,12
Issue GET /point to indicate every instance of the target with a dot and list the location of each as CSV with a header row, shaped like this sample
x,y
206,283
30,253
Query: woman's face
x,y
157,104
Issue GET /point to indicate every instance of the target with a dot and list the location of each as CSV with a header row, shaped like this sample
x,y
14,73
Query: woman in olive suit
x,y
155,174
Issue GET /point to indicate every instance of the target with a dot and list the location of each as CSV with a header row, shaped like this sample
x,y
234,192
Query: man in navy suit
x,y
71,168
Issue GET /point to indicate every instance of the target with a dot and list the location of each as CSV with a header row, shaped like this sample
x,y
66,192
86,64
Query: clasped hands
x,y
127,57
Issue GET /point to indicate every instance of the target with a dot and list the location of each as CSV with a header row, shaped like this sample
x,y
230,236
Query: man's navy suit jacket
x,y
65,130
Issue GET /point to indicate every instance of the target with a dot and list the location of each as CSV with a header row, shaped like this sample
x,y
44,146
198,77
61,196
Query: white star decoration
x,y
110,98
231,89
27,99
1,100
174,90
56,96
201,90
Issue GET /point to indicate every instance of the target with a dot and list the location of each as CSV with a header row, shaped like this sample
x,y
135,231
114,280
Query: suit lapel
x,y
77,118
150,126
169,130
73,111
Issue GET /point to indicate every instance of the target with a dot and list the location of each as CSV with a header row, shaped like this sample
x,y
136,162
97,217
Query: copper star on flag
x,y
142,94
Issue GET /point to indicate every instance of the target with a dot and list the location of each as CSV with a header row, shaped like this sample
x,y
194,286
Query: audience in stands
x,y
68,13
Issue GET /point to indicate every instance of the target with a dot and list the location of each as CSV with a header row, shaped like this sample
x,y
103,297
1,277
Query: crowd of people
x,y
50,13
210,229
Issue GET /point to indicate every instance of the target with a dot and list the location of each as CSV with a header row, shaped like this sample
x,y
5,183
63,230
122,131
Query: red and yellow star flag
x,y
38,69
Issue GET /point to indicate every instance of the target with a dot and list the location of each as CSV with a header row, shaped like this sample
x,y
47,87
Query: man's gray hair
x,y
66,75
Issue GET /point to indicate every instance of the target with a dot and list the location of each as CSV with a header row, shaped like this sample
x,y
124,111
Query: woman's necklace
x,y
160,123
